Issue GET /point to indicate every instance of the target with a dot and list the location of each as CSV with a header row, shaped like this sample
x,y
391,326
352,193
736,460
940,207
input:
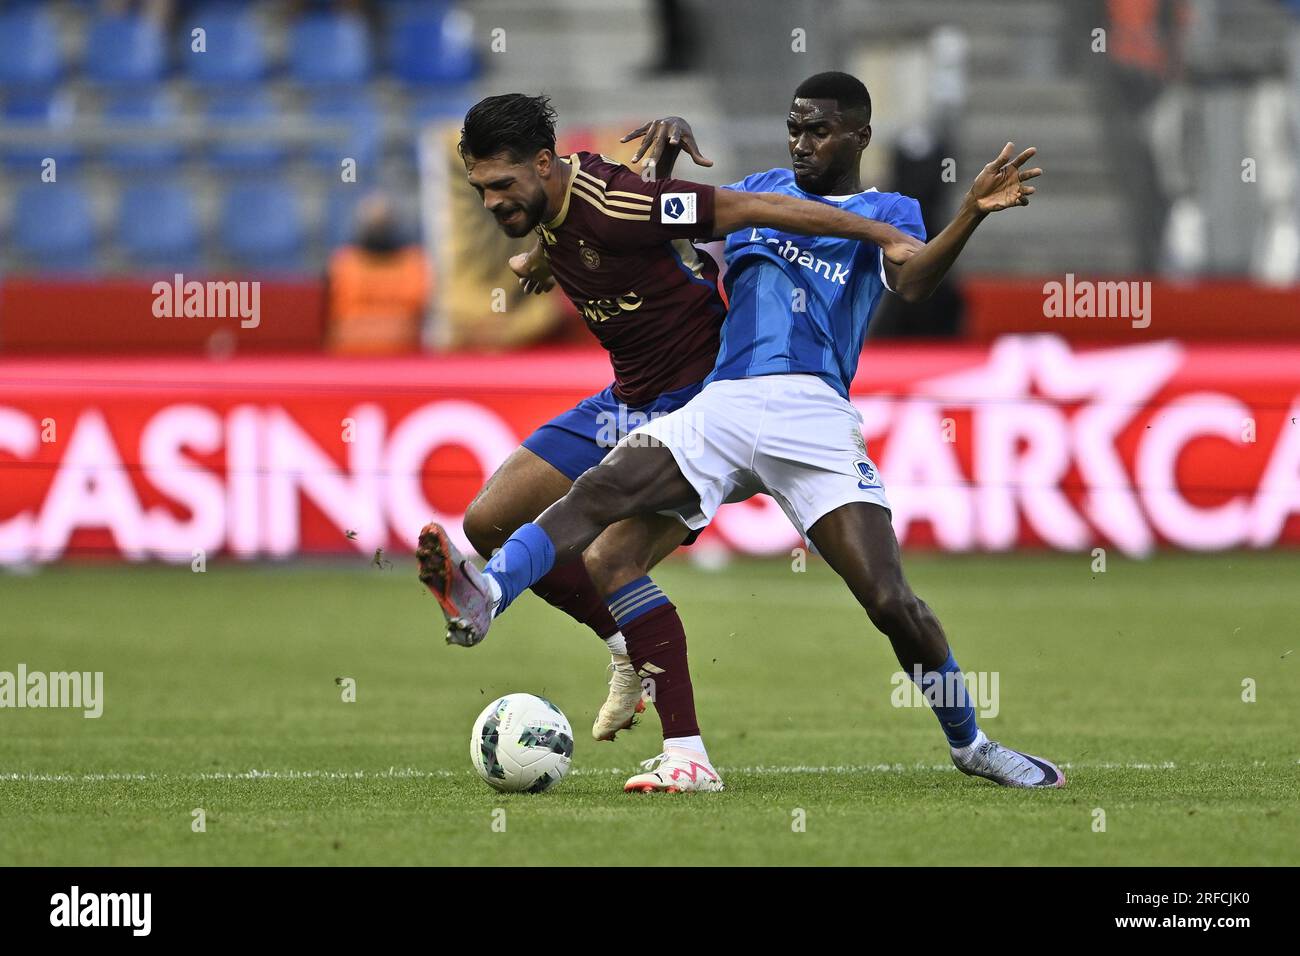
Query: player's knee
x,y
481,528
892,606
604,495
610,567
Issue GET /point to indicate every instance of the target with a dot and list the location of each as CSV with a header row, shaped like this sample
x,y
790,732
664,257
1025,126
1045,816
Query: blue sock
x,y
525,558
632,600
946,692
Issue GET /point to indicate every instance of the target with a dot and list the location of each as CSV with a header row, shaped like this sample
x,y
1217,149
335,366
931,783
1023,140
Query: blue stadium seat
x,y
158,225
357,113
125,49
53,227
340,215
450,102
254,106
29,48
143,109
261,226
235,52
431,43
37,111
328,48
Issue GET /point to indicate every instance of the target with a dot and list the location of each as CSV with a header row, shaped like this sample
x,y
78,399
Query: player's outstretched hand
x,y
670,135
534,274
1001,184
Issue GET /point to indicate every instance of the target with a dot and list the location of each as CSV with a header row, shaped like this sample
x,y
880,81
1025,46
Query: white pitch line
x,y
412,773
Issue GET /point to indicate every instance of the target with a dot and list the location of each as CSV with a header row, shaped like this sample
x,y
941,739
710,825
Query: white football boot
x,y
461,589
678,771
623,702
1010,768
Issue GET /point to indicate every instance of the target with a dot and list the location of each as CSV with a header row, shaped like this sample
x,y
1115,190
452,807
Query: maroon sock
x,y
568,587
656,642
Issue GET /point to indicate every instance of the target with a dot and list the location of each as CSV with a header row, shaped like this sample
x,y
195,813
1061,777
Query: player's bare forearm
x,y
916,279
740,210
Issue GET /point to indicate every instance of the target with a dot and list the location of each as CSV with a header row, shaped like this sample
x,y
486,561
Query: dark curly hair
x,y
513,123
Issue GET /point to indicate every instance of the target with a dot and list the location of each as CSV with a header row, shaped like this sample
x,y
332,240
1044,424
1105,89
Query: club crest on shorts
x,y
866,475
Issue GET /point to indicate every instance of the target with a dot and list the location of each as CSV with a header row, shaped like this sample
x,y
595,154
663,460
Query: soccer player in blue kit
x,y
774,418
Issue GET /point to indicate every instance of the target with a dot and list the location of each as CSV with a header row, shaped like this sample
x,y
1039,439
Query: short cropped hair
x,y
847,91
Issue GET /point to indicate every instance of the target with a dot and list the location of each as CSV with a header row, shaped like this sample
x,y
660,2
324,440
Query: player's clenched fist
x,y
533,271
901,248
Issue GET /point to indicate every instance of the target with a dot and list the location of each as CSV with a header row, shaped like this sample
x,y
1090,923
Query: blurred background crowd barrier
x,y
309,147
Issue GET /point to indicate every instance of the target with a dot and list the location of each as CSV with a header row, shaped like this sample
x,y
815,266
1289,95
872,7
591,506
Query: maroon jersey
x,y
621,249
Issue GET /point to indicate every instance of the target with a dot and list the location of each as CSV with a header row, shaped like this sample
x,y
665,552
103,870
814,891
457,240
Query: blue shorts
x,y
580,438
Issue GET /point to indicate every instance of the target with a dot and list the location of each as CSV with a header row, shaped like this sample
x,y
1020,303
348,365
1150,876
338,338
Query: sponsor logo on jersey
x,y
596,311
677,208
834,271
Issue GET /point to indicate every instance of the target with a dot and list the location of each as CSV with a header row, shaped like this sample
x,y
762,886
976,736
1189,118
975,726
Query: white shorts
x,y
789,436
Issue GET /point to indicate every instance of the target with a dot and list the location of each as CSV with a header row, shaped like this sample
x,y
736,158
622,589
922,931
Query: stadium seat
x,y
53,227
235,51
37,111
340,213
30,55
158,225
446,103
124,49
357,113
150,110
261,226
253,106
431,43
328,48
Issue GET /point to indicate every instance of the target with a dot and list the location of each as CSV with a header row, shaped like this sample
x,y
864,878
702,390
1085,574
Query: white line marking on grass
x,y
413,773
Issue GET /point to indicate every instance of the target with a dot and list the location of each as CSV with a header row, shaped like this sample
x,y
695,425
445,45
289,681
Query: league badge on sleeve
x,y
677,209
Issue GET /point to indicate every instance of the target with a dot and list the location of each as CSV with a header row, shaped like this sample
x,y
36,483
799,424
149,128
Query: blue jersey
x,y
801,304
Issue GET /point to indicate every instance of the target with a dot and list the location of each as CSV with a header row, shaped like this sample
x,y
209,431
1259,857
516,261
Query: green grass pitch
x,y
220,694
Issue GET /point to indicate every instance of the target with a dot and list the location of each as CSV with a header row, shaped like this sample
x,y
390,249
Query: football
x,y
521,744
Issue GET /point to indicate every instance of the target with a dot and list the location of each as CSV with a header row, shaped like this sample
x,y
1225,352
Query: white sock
x,y
695,744
616,643
963,752
494,592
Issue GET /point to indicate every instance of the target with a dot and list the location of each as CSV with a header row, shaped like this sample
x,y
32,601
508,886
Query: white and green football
x,y
521,744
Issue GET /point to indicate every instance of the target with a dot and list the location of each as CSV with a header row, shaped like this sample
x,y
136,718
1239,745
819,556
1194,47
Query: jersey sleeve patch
x,y
677,209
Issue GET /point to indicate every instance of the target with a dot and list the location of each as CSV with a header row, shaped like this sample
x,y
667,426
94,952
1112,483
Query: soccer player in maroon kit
x,y
620,247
